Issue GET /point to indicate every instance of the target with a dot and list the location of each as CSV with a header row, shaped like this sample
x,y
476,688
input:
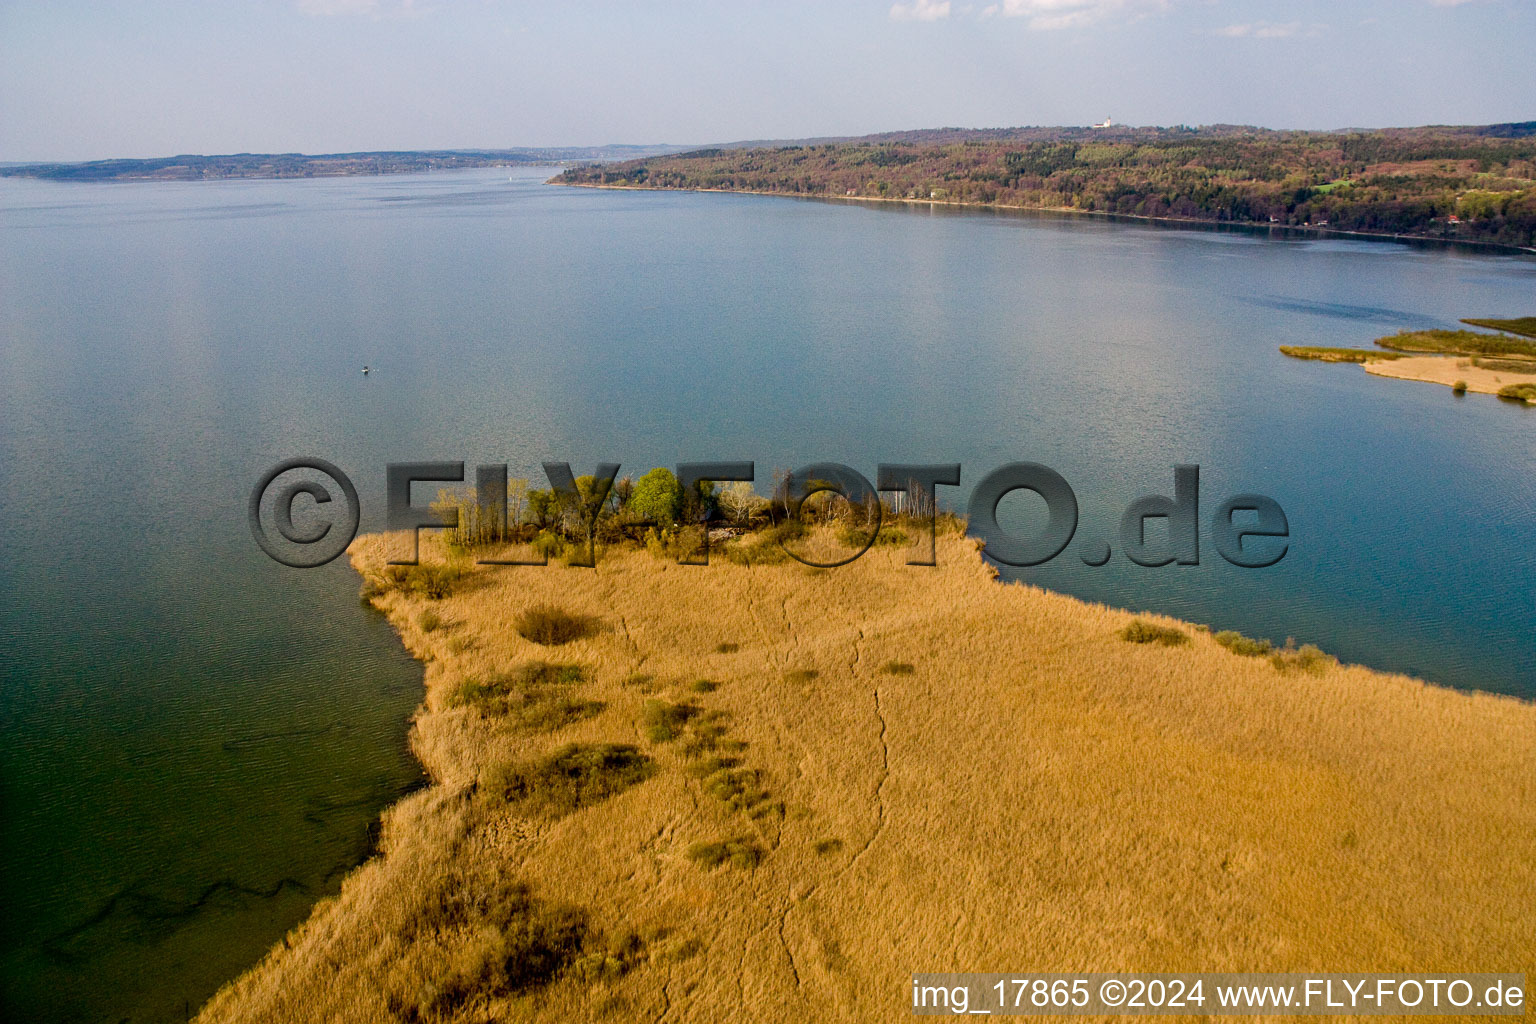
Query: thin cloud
x,y
356,8
920,10
1270,30
1057,14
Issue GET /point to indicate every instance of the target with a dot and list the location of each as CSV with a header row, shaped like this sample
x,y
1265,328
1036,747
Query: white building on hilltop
x,y
1107,122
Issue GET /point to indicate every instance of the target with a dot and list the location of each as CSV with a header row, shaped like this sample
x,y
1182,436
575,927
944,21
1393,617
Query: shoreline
x,y
853,780
1247,227
1447,370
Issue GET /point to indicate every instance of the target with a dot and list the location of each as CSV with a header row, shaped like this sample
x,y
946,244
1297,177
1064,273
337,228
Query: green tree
x,y
658,497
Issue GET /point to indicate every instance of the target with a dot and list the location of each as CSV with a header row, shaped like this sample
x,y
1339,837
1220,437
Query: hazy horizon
x,y
89,80
645,144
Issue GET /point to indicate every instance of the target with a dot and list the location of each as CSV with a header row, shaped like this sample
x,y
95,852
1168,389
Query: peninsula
x,y
1502,364
756,790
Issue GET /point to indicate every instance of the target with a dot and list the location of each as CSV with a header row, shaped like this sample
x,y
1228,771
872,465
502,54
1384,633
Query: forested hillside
x,y
1473,184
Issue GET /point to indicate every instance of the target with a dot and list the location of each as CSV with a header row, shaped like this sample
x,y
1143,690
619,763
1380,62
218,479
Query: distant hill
x,y
1463,183
189,167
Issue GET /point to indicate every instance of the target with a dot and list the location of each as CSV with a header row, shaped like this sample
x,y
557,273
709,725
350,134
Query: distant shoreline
x,y
1247,227
286,166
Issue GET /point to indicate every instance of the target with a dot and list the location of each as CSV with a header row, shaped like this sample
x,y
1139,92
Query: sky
x,y
83,80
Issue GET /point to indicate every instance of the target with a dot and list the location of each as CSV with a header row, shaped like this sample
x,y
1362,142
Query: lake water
x,y
194,740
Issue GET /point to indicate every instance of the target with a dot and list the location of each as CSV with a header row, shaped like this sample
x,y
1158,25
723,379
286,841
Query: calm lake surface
x,y
195,740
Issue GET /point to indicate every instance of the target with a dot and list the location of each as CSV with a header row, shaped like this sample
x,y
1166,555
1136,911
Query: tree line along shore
x,y
1470,184
759,790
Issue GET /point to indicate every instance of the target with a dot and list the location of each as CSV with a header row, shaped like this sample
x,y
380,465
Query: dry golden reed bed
x,y
932,772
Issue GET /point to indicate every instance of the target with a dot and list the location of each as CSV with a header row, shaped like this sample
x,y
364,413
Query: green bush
x,y
1308,659
546,712
475,692
431,581
542,673
741,852
521,942
826,847
727,648
575,776
897,668
1519,392
549,545
663,722
762,551
429,620
707,766
545,624
1142,632
707,732
737,788
1507,365
703,686
1459,388
857,536
1239,644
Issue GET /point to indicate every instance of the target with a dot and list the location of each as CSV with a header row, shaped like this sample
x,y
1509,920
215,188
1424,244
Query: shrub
x,y
727,648
542,673
514,942
663,722
708,731
800,675
1308,659
737,788
473,692
857,536
703,686
429,620
431,581
614,958
1239,644
1142,632
763,551
704,767
1507,365
575,776
496,693
826,847
543,712
549,545
741,852
897,668
1519,392
1459,388
545,624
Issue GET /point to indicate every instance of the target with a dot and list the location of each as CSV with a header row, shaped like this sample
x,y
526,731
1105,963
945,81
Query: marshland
x,y
694,792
